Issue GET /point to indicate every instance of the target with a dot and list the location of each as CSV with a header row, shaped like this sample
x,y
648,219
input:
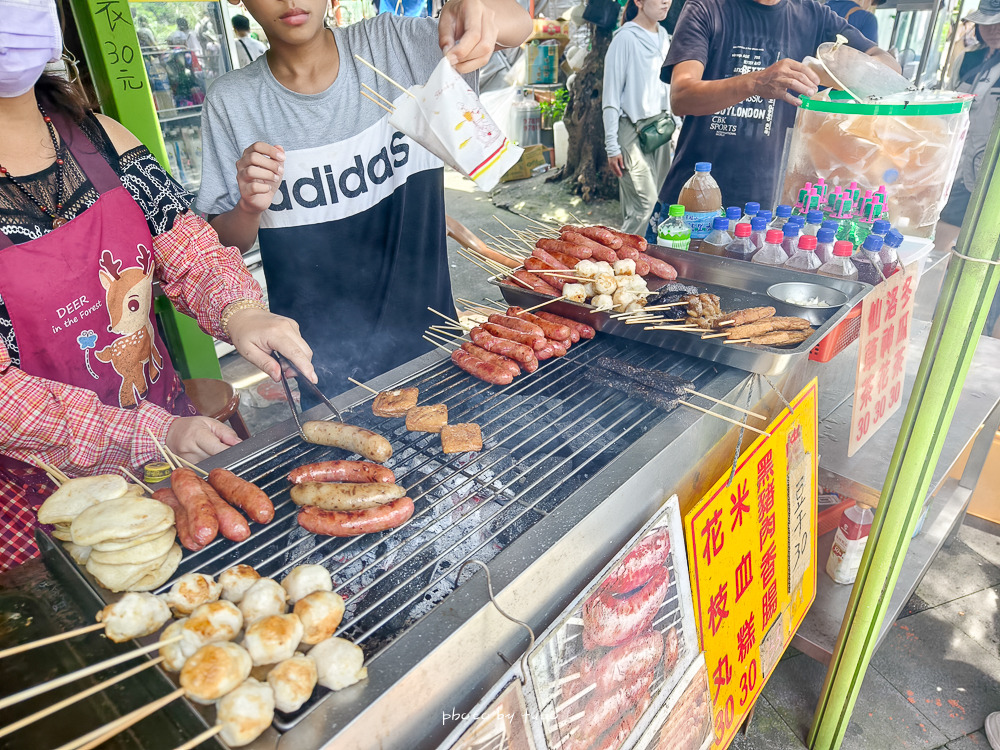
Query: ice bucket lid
x,y
907,104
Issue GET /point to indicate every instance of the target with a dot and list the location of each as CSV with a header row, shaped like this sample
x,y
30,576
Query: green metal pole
x,y
961,311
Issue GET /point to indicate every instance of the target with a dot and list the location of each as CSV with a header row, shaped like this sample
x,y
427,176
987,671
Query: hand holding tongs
x,y
302,380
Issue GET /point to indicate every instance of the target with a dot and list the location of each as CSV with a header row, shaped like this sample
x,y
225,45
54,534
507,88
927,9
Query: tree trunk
x,y
586,159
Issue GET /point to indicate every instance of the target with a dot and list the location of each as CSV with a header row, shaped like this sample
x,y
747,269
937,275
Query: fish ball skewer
x,y
214,622
292,681
133,616
320,613
215,670
190,591
263,598
272,639
304,580
339,663
245,712
236,580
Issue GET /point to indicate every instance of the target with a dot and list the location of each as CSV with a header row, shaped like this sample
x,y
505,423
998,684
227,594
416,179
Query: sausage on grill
x,y
479,353
478,368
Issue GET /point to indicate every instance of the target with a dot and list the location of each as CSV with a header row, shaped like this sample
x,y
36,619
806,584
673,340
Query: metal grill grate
x,y
544,436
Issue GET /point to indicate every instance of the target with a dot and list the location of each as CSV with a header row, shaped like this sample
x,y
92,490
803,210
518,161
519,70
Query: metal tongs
x,y
302,380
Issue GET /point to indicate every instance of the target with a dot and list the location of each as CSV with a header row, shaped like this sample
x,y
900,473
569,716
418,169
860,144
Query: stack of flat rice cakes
x,y
126,541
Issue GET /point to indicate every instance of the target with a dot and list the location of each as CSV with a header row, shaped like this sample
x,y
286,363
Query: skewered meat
x,y
272,639
265,597
355,523
533,340
534,283
236,580
214,670
395,403
630,240
190,491
546,257
782,338
632,389
292,681
339,663
523,355
320,613
549,274
190,591
549,330
767,325
303,580
214,622
176,654
245,495
672,385
358,440
582,329
133,616
246,712
459,438
427,418
182,524
345,495
496,359
341,471
660,268
232,524
597,250
749,315
488,372
566,247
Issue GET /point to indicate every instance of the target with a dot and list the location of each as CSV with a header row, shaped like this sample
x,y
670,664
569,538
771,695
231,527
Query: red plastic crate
x,y
844,334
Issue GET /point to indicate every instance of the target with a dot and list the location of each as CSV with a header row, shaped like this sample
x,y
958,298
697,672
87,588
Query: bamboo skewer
x,y
49,710
135,479
203,737
390,111
549,226
529,245
439,346
81,673
715,335
377,95
395,83
737,341
163,452
195,468
54,473
693,392
542,304
359,383
725,419
483,266
666,305
46,641
54,481
442,315
109,730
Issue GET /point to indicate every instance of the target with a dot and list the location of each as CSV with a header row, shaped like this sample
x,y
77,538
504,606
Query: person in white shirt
x,y
248,49
635,99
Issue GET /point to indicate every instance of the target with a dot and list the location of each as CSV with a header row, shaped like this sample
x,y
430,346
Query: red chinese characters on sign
x,y
885,337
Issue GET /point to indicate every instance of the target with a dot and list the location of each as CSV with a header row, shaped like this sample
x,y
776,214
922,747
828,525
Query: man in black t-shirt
x,y
735,75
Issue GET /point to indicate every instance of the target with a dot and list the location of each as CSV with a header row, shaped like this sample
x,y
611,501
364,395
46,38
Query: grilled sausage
x,y
534,283
531,340
520,353
181,521
661,268
232,524
341,471
584,331
479,353
597,234
610,621
640,564
190,491
632,240
489,372
582,252
597,250
550,350
627,252
517,324
569,260
345,495
642,265
542,269
245,495
555,331
355,523
358,440
546,257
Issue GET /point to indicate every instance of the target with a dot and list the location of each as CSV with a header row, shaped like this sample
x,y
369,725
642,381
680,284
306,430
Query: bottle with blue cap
x,y
831,224
890,252
814,222
790,238
750,210
758,231
767,215
868,260
733,213
825,238
880,227
702,200
782,214
718,239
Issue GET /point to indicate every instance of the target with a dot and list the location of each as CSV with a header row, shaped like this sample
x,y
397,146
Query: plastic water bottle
x,y
751,209
771,253
767,215
814,221
890,253
849,543
718,239
674,232
840,266
781,215
831,224
798,220
868,260
804,258
790,238
702,200
733,213
741,248
881,227
758,230
824,244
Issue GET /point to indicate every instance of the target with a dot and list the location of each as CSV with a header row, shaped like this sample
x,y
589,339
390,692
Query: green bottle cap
x,y
676,210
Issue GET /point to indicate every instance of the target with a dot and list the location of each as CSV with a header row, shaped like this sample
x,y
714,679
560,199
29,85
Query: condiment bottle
x,y
758,230
733,213
790,238
741,248
824,244
751,209
849,543
771,253
782,214
717,240
804,259
674,232
702,200
840,266
890,254
814,220
868,260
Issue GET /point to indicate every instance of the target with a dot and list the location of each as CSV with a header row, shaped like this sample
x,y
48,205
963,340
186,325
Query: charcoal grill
x,y
568,472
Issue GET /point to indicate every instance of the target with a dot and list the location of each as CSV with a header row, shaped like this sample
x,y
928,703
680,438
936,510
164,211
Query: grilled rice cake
x,y
395,403
460,438
427,418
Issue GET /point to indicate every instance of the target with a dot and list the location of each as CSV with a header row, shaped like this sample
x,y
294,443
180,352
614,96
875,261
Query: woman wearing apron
x,y
88,219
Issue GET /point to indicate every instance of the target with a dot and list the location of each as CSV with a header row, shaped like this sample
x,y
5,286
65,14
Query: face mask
x,y
29,39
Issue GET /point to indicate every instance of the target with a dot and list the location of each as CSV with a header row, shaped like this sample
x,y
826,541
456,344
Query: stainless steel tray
x,y
739,285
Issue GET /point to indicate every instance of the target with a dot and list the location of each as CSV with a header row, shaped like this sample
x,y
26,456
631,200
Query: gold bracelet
x,y
234,307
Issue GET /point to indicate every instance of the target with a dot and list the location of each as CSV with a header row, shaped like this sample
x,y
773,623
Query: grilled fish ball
x,y
604,267
622,299
263,598
586,268
292,681
633,284
272,639
176,654
602,301
133,616
245,713
589,289
190,591
214,670
575,292
215,622
624,267
604,283
634,307
320,613
339,663
236,581
304,579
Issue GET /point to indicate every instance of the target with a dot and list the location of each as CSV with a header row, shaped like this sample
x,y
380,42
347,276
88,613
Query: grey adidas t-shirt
x,y
354,244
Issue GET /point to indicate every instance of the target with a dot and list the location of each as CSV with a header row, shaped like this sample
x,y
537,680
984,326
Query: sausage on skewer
x,y
479,353
245,495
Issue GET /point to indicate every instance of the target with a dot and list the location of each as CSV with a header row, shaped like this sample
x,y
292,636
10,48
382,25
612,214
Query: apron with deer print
x,y
80,297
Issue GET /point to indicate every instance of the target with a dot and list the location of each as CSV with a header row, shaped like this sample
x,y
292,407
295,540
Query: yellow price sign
x,y
751,545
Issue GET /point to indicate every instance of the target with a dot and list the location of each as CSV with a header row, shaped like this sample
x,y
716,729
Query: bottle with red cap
x,y
804,258
771,253
840,265
741,248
